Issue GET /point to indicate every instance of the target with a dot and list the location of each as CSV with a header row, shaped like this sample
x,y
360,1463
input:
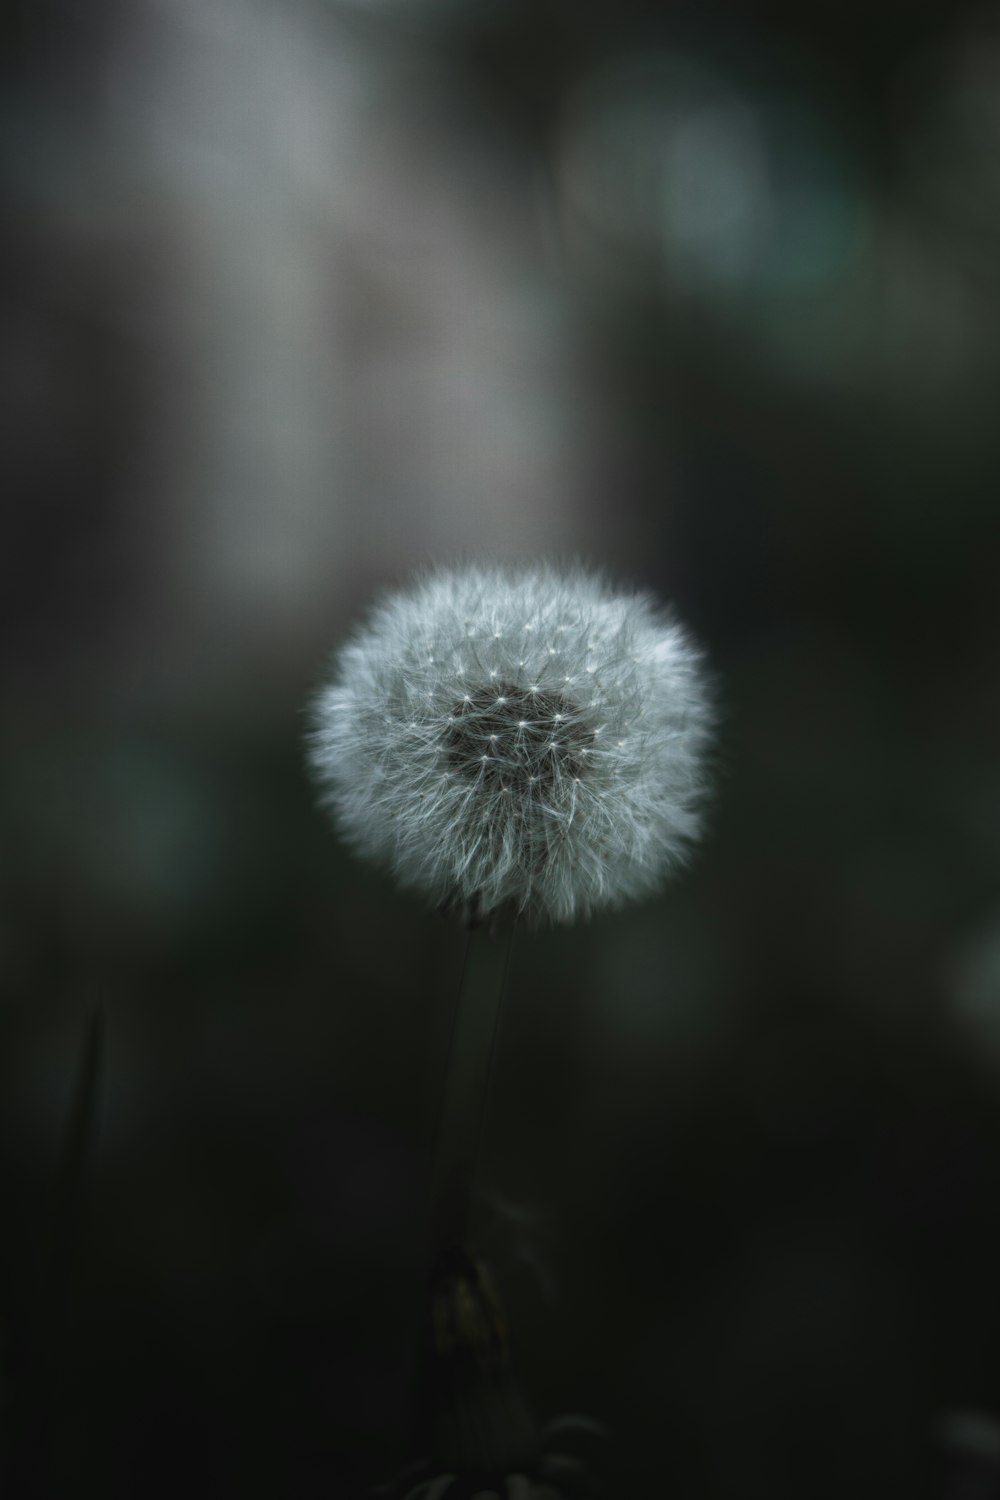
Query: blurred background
x,y
298,295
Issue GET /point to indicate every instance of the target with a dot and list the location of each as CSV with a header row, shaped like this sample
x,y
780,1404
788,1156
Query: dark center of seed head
x,y
510,735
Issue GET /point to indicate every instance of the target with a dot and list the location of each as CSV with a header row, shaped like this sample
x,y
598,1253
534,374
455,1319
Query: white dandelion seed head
x,y
457,745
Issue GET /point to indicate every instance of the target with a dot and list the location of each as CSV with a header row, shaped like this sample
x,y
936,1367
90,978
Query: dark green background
x,y
743,1155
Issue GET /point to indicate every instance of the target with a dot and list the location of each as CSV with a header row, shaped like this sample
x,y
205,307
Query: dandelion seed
x,y
477,828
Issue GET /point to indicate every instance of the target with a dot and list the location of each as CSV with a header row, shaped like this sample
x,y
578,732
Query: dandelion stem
x,y
508,949
471,1054
456,1012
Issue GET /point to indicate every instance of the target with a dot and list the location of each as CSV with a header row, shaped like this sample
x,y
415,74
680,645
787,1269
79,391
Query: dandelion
x,y
527,740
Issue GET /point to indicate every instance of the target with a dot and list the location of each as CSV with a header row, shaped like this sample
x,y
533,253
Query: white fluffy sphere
x,y
526,739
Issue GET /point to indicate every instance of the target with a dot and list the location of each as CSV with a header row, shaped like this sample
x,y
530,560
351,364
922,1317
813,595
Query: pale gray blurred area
x,y
326,270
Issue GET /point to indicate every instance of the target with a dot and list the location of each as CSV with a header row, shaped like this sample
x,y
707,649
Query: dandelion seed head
x,y
451,747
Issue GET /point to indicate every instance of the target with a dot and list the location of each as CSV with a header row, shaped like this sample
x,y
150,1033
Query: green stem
x,y
462,1121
